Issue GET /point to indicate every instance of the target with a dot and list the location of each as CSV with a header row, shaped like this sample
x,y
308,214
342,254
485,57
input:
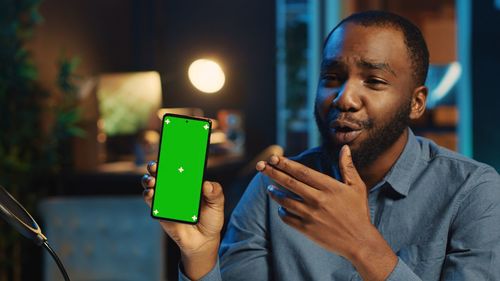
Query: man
x,y
374,202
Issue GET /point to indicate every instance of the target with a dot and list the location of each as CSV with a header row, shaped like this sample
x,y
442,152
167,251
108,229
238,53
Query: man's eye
x,y
331,80
375,83
329,77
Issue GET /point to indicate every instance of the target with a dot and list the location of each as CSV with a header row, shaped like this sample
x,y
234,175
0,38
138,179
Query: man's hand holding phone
x,y
199,243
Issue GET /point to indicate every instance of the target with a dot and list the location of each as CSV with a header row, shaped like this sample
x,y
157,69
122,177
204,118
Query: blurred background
x,y
83,85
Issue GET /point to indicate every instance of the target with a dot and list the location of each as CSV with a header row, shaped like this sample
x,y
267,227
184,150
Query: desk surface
x,y
129,167
120,178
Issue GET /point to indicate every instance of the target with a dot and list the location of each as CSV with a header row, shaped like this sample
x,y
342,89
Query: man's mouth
x,y
345,132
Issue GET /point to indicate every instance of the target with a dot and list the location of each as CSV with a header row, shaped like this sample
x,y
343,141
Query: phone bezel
x,y
187,117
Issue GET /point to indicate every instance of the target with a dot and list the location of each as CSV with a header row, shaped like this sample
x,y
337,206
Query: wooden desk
x,y
124,178
128,167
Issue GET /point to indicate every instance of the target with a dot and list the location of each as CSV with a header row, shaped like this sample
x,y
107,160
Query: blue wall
x,y
485,61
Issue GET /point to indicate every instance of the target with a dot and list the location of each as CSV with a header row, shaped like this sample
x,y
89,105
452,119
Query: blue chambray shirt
x,y
439,212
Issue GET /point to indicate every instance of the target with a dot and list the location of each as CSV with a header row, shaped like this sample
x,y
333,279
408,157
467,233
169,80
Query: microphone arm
x,y
56,259
17,216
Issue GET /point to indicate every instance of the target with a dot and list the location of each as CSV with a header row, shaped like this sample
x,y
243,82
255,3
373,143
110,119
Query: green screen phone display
x,y
181,164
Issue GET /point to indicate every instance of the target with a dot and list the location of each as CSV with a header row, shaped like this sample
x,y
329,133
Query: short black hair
x,y
414,40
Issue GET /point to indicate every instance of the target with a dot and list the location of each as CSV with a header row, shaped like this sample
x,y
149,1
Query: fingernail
x,y
210,187
282,211
261,165
274,160
150,164
145,180
346,149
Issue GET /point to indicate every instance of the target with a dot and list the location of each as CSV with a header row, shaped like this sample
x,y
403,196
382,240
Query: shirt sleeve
x,y
244,254
402,273
474,246
213,275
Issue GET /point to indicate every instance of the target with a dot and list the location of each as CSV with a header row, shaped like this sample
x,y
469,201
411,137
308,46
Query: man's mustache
x,y
347,117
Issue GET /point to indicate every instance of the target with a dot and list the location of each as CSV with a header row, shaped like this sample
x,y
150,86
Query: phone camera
x,y
187,121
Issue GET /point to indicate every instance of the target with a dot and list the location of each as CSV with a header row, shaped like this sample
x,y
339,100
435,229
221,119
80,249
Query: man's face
x,y
364,91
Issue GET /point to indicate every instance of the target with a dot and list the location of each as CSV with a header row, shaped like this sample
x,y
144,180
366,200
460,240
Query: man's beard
x,y
379,139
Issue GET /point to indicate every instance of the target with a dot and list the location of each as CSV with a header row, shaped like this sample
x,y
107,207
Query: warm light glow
x,y
217,137
206,75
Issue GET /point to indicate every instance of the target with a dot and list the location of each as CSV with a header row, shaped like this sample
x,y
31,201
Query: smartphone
x,y
182,159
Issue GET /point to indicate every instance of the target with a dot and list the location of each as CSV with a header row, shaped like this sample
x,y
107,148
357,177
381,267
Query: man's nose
x,y
347,98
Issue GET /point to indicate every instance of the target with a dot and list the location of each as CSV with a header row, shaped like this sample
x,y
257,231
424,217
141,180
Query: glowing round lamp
x,y
206,75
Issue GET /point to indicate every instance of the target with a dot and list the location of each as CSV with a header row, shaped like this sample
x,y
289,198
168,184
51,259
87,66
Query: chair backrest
x,y
103,238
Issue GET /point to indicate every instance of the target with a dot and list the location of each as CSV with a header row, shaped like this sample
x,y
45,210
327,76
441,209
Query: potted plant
x,y
32,147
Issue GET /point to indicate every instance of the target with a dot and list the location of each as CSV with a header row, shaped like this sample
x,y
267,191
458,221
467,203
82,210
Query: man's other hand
x,y
332,213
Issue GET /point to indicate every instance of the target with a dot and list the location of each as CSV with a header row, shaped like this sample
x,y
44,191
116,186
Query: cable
x,y
56,259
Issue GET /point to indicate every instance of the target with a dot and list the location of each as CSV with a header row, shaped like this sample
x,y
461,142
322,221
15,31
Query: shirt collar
x,y
401,174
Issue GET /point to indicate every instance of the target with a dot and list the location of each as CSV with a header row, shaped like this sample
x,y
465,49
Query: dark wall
x,y
98,32
485,86
131,35
241,36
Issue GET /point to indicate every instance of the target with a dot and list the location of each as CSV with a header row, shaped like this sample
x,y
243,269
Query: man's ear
x,y
418,102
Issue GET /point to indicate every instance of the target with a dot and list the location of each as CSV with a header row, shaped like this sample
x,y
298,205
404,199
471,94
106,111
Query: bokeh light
x,y
206,75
